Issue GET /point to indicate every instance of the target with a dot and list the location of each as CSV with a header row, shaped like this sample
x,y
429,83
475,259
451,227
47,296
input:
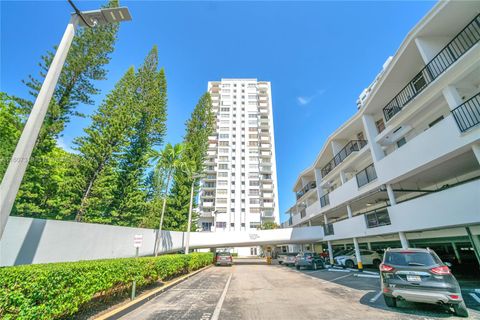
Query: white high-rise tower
x,y
239,191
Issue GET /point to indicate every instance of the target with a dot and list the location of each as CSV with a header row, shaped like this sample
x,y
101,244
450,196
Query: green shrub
x,y
57,290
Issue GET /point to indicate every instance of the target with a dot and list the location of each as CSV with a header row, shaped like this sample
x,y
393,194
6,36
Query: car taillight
x,y
442,270
454,296
386,268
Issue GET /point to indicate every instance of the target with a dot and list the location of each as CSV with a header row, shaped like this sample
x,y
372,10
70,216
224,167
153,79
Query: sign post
x,y
137,243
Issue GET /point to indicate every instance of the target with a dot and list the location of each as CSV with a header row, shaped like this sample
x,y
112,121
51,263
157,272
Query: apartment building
x,y
239,191
404,169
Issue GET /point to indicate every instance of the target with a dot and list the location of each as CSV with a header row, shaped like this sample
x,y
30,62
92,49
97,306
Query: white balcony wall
x,y
456,206
313,209
438,141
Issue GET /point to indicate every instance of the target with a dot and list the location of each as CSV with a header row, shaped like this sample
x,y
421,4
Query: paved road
x,y
253,290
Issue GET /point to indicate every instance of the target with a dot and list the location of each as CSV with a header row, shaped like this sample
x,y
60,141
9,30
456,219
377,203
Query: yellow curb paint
x,y
147,295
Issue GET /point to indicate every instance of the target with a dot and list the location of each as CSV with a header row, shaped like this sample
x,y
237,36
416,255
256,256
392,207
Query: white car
x,y
368,258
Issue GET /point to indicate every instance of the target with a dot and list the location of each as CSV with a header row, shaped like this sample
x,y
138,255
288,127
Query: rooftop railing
x,y
467,115
460,44
349,148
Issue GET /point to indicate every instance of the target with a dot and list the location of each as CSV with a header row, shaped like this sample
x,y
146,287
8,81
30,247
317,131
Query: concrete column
x,y
357,254
325,219
475,243
371,133
403,240
343,177
349,211
452,96
391,195
457,254
369,246
476,151
345,246
330,251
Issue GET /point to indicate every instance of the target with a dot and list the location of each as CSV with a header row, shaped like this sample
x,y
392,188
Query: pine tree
x,y
200,125
130,201
10,129
108,134
89,53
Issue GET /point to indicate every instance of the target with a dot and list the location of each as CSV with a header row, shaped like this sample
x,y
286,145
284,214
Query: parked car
x,y
349,260
311,260
288,259
223,258
418,275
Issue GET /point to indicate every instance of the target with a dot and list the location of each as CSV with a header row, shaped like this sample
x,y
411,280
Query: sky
x,y
318,56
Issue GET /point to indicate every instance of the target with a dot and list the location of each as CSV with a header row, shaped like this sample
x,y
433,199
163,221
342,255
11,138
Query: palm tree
x,y
170,160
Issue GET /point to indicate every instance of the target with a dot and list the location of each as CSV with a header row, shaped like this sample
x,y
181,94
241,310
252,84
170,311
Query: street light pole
x,y
189,225
18,164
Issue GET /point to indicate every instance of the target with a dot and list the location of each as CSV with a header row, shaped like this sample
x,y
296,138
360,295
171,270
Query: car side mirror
x,y
448,264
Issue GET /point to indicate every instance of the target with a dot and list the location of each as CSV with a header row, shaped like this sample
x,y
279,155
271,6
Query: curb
x,y
142,299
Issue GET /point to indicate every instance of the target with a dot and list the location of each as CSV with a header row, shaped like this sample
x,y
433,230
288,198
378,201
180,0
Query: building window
x,y
254,225
401,142
232,224
434,122
380,125
223,166
221,225
206,226
366,175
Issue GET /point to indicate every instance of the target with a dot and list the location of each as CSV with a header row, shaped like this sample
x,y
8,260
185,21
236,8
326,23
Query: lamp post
x,y
21,156
189,225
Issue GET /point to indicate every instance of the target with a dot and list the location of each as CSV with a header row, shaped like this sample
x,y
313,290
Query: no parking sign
x,y
138,240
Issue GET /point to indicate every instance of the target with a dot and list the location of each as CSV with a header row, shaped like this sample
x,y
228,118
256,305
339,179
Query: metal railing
x,y
467,115
377,219
367,175
328,229
324,200
309,186
349,148
460,44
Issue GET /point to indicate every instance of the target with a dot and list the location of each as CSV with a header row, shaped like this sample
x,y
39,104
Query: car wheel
x,y
460,309
280,262
376,263
314,266
390,301
349,264
298,267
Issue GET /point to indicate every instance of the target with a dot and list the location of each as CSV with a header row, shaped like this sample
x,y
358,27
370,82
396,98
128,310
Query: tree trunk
x,y
161,216
86,194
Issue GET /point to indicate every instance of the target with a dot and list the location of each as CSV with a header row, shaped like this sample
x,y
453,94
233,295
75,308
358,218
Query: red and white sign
x,y
137,240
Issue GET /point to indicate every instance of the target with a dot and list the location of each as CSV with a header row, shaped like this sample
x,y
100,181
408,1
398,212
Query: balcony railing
x,y
377,218
367,175
311,185
324,200
467,115
328,229
460,44
348,149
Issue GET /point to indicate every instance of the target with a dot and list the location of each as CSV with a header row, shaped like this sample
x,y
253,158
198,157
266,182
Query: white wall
x,y
28,240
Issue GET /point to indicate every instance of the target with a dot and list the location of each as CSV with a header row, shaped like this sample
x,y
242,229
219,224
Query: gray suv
x,y
418,275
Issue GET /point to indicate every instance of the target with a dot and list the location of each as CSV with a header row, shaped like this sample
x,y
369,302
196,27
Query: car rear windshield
x,y
411,258
223,253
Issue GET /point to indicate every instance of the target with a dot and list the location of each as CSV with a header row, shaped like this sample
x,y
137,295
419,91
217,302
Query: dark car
x,y
418,275
224,259
311,260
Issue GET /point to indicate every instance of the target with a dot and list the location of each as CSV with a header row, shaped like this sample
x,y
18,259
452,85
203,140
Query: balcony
x,y
467,115
268,214
208,204
366,176
460,44
348,149
309,186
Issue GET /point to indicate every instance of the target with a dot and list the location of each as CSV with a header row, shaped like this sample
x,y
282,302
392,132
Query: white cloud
x,y
304,100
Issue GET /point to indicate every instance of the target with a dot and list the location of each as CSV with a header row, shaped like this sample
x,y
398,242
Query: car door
x,y
367,256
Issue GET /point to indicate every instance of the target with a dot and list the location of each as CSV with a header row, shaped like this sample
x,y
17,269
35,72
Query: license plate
x,y
413,278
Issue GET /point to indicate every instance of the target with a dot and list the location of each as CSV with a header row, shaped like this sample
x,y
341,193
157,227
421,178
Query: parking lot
x,y
369,283
251,289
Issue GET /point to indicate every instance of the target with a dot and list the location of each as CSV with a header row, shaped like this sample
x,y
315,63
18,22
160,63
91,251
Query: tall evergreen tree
x,y
10,129
89,53
108,134
200,125
129,205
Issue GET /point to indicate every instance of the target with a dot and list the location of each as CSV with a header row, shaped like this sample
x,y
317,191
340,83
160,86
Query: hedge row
x,y
57,290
